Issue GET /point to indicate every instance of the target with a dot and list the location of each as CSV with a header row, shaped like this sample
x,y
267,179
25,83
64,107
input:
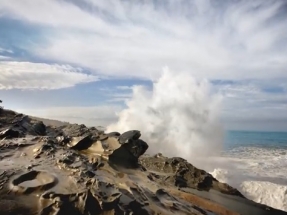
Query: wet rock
x,y
129,135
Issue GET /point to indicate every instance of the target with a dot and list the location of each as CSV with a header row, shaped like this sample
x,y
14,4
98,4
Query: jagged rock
x,y
183,174
129,135
80,143
128,153
46,148
9,133
39,128
90,167
113,134
75,130
63,140
73,204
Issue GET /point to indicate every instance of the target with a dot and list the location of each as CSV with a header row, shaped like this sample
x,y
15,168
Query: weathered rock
x,y
62,140
74,204
80,143
113,134
183,174
9,133
75,130
46,148
128,153
40,181
129,135
39,128
89,183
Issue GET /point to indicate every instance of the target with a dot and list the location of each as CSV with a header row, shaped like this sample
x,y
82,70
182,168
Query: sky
x,y
82,60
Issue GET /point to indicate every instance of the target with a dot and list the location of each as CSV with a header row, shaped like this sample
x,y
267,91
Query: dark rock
x,y
87,174
136,147
74,130
46,148
74,204
103,137
113,134
9,133
127,154
183,174
39,128
129,135
62,140
80,143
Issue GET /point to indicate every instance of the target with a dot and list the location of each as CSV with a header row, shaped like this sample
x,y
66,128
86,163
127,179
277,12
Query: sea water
x,y
256,164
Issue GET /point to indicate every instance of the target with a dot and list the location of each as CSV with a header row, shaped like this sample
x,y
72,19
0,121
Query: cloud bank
x,y
241,44
27,75
221,40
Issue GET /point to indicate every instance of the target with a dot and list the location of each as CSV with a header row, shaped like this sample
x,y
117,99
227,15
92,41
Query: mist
x,y
179,116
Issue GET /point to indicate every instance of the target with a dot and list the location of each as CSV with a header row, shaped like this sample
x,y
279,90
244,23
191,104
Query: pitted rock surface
x,y
70,169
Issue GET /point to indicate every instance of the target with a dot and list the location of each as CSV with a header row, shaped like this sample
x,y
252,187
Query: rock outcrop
x,y
77,170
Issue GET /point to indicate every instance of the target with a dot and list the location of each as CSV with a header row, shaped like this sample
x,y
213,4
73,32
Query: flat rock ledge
x,y
61,169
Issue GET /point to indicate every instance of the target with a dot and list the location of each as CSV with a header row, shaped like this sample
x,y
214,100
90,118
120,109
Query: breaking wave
x,y
259,173
178,116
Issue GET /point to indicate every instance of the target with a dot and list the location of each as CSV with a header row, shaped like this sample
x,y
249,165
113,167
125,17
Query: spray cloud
x,y
178,117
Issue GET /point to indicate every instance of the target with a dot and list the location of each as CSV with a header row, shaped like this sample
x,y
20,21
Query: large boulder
x,y
129,152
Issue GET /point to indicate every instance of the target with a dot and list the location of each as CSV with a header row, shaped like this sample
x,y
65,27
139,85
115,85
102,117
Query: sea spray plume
x,y
178,117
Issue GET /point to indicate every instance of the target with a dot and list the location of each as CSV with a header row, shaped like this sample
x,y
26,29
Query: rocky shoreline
x,y
78,170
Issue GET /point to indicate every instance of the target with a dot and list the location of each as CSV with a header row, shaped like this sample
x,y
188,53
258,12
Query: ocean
x,y
256,164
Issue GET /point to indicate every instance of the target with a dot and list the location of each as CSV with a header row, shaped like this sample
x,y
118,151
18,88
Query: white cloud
x,y
2,50
27,75
124,87
252,106
234,40
4,57
91,116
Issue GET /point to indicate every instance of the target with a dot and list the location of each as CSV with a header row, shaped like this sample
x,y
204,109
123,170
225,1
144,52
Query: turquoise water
x,y
273,140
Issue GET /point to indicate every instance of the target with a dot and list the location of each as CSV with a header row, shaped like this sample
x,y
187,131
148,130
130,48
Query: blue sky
x,y
79,60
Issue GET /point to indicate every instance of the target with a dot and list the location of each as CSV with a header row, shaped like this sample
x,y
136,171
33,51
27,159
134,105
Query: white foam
x,y
259,173
178,116
267,193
